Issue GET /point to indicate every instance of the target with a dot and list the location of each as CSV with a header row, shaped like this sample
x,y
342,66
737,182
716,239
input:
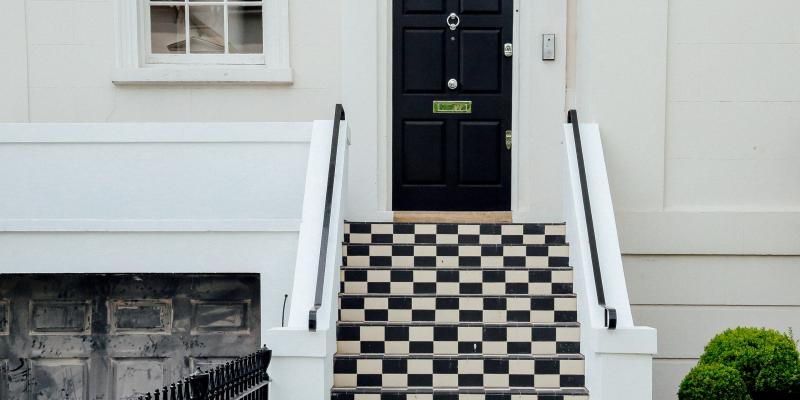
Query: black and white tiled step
x,y
452,256
452,339
457,312
453,309
462,371
366,233
458,394
456,281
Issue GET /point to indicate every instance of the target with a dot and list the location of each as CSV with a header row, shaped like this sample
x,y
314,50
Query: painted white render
x,y
698,101
155,198
59,56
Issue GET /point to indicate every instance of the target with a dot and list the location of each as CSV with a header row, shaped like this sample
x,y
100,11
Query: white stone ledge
x,y
637,340
150,225
205,132
294,342
194,74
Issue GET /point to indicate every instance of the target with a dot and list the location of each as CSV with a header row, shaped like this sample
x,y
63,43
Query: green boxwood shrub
x,y
713,382
767,360
778,383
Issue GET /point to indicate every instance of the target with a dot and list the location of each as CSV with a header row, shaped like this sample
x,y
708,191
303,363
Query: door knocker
x,y
453,21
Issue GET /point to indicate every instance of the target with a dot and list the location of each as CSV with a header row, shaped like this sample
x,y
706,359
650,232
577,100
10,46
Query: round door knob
x,y
452,83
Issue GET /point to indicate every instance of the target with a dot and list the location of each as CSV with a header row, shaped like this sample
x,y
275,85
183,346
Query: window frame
x,y
151,58
135,64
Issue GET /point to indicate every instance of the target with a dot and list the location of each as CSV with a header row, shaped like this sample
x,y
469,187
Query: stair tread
x,y
375,356
410,268
457,223
465,390
430,295
449,268
465,324
461,244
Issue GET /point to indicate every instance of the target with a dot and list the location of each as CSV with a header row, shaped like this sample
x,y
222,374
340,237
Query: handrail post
x,y
338,117
610,314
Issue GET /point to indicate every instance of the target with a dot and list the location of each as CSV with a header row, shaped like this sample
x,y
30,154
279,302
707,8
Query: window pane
x,y
207,29
245,30
167,29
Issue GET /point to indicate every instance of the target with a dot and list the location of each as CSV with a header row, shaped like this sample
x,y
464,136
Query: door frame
x,y
540,88
385,114
390,98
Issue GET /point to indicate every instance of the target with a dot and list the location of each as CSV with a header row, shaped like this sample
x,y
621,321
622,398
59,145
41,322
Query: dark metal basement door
x,y
115,337
452,105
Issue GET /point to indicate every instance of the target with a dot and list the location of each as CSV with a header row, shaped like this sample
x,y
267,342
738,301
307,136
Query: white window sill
x,y
194,74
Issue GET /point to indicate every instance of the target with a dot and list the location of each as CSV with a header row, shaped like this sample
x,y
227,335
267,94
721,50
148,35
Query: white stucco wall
x,y
155,198
698,108
58,58
698,104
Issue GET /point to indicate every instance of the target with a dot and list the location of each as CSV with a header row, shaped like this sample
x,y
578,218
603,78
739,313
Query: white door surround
x,y
538,105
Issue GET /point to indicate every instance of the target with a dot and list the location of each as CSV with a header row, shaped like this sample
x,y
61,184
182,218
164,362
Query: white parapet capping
x,y
618,362
302,366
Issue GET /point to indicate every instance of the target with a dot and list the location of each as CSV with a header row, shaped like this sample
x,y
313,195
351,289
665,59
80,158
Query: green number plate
x,y
452,107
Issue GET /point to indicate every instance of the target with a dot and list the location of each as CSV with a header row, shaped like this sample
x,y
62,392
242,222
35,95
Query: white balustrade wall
x,y
618,362
155,197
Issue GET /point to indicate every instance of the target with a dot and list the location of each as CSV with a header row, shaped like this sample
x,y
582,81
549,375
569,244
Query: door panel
x,y
60,378
423,6
424,55
481,60
479,139
451,162
426,165
480,6
131,374
115,336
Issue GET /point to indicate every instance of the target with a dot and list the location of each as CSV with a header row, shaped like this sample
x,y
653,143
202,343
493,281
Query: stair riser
x,y
452,262
365,238
457,309
454,340
423,250
456,282
441,231
450,396
488,373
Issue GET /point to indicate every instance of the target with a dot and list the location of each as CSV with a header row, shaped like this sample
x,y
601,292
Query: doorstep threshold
x,y
453,217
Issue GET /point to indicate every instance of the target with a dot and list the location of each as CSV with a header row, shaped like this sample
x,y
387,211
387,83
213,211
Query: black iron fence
x,y
244,378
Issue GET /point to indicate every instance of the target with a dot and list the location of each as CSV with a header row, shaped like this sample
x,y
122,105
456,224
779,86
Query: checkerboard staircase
x,y
457,312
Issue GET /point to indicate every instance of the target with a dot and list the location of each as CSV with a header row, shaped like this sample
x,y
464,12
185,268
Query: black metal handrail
x,y
244,378
610,313
338,117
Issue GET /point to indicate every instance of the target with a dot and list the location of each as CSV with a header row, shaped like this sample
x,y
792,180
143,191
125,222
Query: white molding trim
x,y
202,74
242,132
709,232
149,225
131,67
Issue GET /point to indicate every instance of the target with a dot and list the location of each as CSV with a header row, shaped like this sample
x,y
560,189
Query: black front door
x,y
452,105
